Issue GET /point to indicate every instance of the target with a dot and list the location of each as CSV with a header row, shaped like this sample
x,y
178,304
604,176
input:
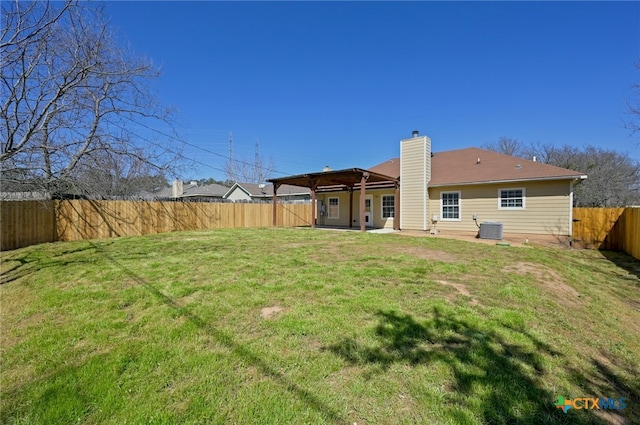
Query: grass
x,y
364,328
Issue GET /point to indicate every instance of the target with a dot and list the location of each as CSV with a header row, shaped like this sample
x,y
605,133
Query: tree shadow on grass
x,y
238,349
31,261
600,379
495,379
225,338
624,261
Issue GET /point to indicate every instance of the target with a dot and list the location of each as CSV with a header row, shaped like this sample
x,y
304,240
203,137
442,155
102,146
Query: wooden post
x,y
363,192
396,208
351,207
314,186
275,204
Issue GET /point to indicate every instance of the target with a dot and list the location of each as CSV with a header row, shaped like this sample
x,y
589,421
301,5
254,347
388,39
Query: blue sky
x,y
340,83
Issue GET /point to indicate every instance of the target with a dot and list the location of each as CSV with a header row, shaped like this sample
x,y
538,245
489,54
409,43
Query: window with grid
x,y
333,210
512,198
450,206
388,206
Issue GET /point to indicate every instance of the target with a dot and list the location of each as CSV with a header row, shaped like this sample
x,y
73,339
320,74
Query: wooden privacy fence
x,y
611,229
27,223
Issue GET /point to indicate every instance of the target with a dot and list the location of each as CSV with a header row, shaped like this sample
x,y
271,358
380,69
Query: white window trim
x,y
459,206
524,199
337,217
382,207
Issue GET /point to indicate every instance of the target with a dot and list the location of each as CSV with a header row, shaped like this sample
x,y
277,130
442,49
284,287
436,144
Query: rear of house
x,y
458,190
455,191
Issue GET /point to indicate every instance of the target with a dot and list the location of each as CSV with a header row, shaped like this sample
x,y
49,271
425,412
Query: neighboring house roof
x,y
165,192
255,191
476,166
209,190
192,191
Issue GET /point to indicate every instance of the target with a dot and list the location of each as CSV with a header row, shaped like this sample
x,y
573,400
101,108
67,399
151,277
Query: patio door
x,y
368,211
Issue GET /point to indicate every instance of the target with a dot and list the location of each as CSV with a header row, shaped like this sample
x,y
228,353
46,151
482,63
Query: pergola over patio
x,y
347,179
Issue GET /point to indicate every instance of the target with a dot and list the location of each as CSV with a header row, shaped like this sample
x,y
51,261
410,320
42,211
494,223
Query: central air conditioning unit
x,y
491,230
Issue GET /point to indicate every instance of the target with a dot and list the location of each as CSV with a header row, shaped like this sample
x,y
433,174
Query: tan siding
x,y
378,221
343,220
547,207
415,173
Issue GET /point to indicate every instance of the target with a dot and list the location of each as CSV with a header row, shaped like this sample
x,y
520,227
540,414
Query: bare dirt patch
x,y
315,344
425,254
461,290
514,239
188,299
548,279
271,312
334,248
295,245
337,250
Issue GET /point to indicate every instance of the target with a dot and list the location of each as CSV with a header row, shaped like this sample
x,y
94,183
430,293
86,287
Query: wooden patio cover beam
x,y
349,178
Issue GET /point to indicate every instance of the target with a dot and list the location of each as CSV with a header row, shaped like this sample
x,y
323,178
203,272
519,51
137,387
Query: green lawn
x,y
296,326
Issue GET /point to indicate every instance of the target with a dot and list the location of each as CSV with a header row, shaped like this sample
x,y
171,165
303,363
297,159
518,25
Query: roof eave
x,y
536,179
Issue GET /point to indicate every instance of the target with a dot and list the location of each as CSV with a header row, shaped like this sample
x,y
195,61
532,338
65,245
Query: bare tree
x,y
111,175
613,177
73,97
633,106
245,170
506,146
542,152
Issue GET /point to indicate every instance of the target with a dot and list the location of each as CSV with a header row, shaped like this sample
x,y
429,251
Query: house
x,y
250,192
454,190
191,191
205,192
